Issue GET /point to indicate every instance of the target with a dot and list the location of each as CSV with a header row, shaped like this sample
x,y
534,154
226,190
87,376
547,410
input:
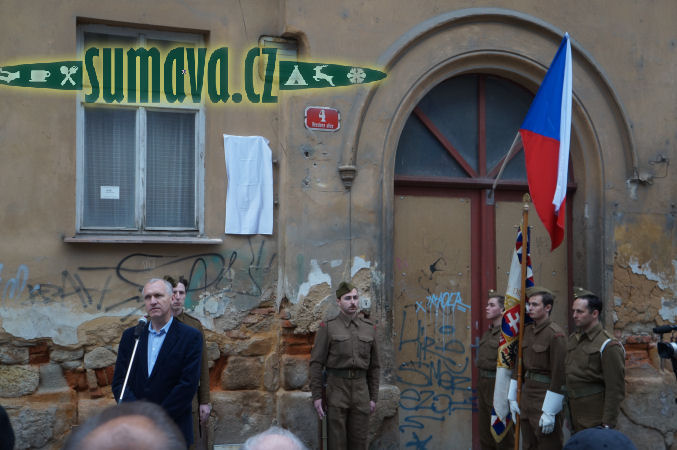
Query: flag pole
x,y
513,147
525,245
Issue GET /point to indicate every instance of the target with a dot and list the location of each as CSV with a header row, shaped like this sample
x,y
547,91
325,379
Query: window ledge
x,y
141,239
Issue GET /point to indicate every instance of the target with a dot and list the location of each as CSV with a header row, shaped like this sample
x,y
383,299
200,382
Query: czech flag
x,y
545,135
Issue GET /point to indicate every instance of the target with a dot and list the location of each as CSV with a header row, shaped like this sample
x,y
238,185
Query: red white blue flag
x,y
545,134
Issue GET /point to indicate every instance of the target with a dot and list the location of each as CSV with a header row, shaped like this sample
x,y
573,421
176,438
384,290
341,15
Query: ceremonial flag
x,y
545,134
501,419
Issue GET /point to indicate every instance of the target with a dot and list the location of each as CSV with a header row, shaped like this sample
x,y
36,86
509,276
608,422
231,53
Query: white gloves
x,y
552,404
512,398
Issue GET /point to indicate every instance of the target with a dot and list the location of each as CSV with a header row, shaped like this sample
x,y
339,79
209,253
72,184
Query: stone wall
x,y
644,292
258,376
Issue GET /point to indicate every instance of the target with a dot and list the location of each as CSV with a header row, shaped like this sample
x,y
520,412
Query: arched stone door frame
x,y
512,45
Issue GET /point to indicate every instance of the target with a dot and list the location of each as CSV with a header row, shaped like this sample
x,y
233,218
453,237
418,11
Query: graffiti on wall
x,y
14,286
436,381
239,272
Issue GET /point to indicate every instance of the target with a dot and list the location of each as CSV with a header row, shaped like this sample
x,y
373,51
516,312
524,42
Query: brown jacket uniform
x,y
202,396
543,353
595,379
487,355
347,349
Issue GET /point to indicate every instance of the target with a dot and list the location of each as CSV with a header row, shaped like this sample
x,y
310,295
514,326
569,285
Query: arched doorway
x,y
452,243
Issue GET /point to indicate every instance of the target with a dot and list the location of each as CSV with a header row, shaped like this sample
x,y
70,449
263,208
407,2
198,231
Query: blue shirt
x,y
155,340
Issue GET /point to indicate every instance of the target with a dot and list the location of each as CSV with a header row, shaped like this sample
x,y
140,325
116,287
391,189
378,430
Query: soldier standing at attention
x,y
595,367
543,353
486,363
346,347
201,406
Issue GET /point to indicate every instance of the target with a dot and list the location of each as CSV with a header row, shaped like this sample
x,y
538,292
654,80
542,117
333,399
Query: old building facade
x,y
98,197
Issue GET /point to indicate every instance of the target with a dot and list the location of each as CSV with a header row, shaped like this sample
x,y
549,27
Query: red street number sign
x,y
322,118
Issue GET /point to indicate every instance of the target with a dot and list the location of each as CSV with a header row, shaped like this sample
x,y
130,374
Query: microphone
x,y
664,329
140,327
138,331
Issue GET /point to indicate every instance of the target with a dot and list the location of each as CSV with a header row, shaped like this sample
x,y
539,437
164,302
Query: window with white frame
x,y
140,164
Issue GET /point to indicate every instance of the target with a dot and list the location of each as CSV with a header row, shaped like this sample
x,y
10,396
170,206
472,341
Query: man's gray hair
x,y
165,432
167,284
258,441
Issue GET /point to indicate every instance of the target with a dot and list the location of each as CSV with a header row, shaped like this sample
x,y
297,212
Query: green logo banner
x,y
167,74
302,75
57,75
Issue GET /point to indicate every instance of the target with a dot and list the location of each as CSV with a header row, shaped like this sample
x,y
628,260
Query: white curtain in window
x,y
170,169
109,168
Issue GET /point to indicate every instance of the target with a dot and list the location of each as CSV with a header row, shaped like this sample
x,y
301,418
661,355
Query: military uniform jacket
x,y
543,353
487,354
203,388
345,343
587,367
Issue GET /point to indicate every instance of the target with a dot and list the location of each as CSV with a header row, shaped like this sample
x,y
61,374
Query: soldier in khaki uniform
x,y
543,353
595,367
487,355
201,407
346,347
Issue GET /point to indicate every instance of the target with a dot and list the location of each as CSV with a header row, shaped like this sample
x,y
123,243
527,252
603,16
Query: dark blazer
x,y
174,379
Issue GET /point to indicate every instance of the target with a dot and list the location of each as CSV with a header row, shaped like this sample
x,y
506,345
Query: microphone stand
x,y
137,334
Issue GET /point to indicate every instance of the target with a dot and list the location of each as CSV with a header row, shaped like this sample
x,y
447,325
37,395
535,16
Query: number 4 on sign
x,y
322,118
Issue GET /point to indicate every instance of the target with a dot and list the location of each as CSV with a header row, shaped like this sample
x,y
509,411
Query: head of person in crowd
x,y
131,425
180,287
6,431
495,307
157,296
539,303
347,299
599,438
587,309
274,438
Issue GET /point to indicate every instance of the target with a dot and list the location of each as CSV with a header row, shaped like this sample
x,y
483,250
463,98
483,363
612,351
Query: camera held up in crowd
x,y
667,350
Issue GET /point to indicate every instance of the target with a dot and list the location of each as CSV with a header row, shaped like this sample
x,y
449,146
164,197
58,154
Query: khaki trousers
x,y
486,397
347,413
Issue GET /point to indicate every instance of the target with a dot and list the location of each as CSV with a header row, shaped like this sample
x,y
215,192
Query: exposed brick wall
x,y
638,351
292,343
39,353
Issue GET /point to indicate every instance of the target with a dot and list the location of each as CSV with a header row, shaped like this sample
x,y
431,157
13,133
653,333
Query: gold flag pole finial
x,y
526,199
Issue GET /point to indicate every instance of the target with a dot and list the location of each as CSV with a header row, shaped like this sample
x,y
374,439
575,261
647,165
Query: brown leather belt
x,y
541,378
347,373
584,391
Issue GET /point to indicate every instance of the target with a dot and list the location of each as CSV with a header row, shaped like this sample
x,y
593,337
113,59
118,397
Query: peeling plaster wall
x,y
645,272
63,306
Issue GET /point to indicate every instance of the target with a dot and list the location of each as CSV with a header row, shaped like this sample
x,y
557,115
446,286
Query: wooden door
x,y
433,367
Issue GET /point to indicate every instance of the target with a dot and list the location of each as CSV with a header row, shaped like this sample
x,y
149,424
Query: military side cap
x,y
493,293
171,280
344,288
581,292
535,290
599,438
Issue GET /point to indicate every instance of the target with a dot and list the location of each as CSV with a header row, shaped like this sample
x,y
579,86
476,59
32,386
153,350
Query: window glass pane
x,y
515,169
506,106
420,153
165,47
100,40
170,170
452,106
110,168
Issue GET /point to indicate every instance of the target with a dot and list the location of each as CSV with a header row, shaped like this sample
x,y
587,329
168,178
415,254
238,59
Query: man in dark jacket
x,y
166,366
